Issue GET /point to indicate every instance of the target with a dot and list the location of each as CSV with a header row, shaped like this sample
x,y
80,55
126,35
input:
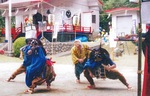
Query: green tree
x,y
2,20
109,4
19,42
104,20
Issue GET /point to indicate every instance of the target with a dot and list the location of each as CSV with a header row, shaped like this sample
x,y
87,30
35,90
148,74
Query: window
x,y
93,18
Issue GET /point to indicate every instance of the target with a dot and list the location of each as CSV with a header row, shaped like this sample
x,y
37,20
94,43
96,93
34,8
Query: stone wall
x,y
58,47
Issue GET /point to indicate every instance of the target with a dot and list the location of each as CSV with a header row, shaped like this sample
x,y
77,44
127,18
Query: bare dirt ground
x,y
64,84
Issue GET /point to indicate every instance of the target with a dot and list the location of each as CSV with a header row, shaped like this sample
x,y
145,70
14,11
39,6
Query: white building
x,y
124,20
86,10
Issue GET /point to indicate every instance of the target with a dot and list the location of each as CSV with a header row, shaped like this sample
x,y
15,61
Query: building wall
x,y
134,16
76,7
95,25
95,7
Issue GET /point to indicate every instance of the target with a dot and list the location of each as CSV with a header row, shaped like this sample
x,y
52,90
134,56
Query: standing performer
x,y
79,54
37,66
146,51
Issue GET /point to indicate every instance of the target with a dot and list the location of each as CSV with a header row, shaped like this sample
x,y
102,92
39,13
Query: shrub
x,y
19,42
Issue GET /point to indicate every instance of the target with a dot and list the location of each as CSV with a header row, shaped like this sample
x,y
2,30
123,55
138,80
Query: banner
x,y
75,20
145,12
146,51
30,32
42,26
135,1
146,81
51,19
112,36
56,29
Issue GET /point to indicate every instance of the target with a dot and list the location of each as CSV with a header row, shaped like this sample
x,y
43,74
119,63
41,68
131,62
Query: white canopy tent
x,y
18,4
13,7
21,3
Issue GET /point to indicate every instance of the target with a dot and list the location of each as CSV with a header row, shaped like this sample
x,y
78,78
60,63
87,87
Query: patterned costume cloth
x,y
27,58
37,65
94,63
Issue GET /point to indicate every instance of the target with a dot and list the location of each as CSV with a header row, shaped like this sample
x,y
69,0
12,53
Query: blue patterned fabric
x,y
96,66
27,58
37,65
91,63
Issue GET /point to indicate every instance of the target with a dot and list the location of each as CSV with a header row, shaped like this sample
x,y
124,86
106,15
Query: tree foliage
x,y
2,20
104,20
19,42
109,4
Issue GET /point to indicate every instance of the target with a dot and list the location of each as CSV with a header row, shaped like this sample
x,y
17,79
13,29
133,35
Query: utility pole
x,y
139,72
139,52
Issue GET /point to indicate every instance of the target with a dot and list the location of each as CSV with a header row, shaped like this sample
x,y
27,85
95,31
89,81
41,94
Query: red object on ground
x,y
2,52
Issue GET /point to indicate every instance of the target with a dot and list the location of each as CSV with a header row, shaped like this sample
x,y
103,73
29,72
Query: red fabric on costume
x,y
146,82
50,62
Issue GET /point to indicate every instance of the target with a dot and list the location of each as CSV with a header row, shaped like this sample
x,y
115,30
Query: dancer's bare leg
x,y
20,70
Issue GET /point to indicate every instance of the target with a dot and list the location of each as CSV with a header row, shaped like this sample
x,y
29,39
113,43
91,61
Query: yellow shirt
x,y
77,54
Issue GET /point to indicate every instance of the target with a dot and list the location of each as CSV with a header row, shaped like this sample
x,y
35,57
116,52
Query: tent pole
x,y
42,18
9,31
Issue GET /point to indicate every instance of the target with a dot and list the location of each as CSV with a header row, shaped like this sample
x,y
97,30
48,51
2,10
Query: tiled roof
x,y
121,9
